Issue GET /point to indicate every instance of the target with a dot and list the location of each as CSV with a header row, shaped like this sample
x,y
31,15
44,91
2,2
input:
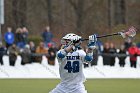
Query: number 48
x,y
72,66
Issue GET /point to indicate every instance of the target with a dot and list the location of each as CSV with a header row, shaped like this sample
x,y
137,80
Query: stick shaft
x,y
131,32
103,36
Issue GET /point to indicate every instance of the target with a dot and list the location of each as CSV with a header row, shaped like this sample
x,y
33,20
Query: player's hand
x,y
92,41
76,40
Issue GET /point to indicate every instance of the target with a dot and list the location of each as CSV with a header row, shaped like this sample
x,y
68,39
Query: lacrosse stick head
x,y
130,32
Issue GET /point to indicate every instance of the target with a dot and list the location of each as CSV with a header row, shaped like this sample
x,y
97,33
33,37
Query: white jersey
x,y
71,67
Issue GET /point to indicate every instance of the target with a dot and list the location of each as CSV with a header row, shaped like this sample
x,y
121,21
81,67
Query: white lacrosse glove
x,y
76,40
92,41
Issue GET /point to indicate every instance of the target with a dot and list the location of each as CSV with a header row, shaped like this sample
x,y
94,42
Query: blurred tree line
x,y
83,17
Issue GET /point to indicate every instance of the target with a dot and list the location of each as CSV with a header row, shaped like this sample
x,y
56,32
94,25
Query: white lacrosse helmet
x,y
68,38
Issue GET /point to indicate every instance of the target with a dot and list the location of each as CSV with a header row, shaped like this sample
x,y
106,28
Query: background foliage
x,y
83,17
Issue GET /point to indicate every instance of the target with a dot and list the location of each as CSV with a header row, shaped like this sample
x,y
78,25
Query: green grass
x,y
92,85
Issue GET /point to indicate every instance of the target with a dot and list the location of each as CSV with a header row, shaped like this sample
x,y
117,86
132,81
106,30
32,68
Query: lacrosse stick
x,y
130,32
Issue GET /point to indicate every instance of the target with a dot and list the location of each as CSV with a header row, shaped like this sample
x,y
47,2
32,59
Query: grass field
x,y
92,85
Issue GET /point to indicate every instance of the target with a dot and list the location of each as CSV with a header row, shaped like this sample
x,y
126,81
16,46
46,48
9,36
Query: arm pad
x,y
61,54
89,57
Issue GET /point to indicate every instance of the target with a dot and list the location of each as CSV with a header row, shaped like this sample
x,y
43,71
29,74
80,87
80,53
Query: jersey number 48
x,y
72,66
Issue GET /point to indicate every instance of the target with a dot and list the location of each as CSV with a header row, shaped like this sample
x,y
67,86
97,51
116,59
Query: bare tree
x,y
47,4
119,12
49,9
109,14
23,9
19,8
78,6
14,12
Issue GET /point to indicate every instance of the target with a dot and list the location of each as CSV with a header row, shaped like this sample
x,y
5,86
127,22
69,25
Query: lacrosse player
x,y
71,58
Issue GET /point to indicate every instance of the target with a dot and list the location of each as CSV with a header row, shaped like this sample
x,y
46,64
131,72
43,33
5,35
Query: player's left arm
x,y
91,46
